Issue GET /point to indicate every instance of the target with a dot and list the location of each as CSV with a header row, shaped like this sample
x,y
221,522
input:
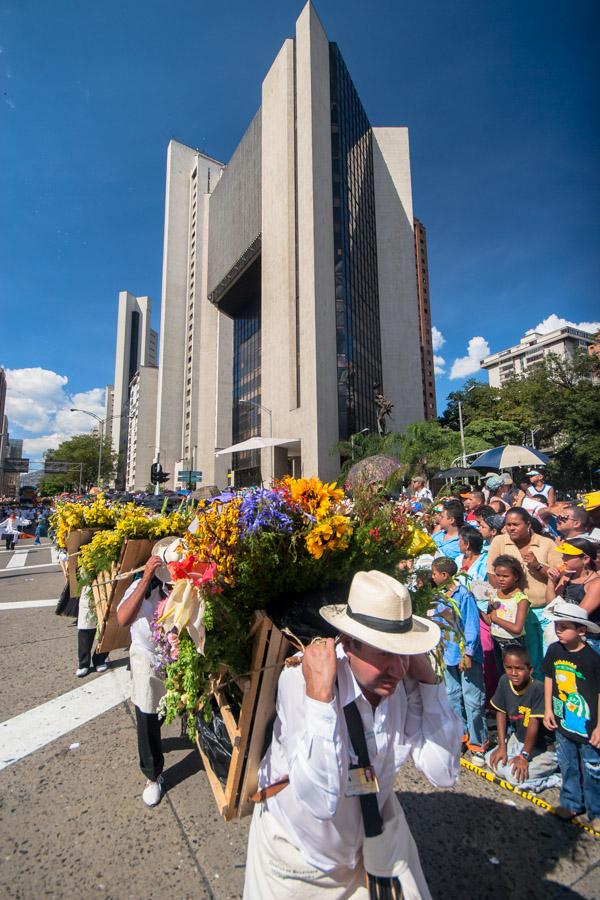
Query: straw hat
x,y
167,549
379,612
561,611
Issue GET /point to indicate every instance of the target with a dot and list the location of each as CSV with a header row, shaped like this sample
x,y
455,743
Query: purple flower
x,y
264,508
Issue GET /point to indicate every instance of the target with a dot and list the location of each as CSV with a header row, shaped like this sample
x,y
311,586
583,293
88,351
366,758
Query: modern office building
x,y
136,346
289,293
141,428
531,349
427,367
109,405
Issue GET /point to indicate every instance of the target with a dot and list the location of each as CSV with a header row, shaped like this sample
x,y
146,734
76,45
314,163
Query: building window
x,y
355,257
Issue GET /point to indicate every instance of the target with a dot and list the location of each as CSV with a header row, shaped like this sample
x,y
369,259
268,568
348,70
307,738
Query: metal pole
x,y
462,435
101,437
81,478
157,485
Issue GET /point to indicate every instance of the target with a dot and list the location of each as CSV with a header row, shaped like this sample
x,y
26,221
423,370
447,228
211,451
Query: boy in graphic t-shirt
x,y
524,759
572,701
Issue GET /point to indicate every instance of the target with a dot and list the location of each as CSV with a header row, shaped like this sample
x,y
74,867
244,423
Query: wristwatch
x,y
526,756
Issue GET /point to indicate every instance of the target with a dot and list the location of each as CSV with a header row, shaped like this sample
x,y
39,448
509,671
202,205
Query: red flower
x,y
193,570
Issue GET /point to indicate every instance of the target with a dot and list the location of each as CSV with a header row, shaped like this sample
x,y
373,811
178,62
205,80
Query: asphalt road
x,y
73,825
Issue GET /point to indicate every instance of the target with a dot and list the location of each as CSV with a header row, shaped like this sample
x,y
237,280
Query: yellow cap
x,y
569,549
591,501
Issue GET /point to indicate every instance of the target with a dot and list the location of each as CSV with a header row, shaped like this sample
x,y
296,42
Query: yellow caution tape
x,y
533,798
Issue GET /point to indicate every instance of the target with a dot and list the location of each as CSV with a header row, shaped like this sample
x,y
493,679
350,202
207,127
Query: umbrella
x,y
458,472
371,470
509,456
257,443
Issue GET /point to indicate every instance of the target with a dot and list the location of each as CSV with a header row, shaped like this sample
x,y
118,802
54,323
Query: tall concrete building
x,y
136,346
531,350
109,406
427,366
141,428
289,288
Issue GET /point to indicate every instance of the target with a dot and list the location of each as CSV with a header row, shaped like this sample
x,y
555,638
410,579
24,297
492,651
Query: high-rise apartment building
x,y
531,350
141,428
136,346
427,366
289,294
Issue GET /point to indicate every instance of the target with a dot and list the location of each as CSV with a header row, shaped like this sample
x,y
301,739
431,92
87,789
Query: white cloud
x,y
552,322
437,339
467,365
38,402
439,365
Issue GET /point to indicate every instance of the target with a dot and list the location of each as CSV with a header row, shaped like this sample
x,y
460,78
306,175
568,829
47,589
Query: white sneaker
x,y
102,667
153,792
81,673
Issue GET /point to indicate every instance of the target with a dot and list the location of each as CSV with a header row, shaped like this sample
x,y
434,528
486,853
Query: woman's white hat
x,y
561,611
379,612
168,548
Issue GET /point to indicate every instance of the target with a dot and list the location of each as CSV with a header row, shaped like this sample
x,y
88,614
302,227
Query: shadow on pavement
x,y
458,836
185,768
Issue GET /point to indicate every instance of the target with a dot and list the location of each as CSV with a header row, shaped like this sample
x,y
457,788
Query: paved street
x,y
72,823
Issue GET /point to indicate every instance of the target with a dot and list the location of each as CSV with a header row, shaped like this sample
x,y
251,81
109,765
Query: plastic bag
x,y
300,612
216,745
67,605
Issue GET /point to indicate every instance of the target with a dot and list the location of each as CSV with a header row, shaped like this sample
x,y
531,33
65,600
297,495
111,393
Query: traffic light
x,y
157,476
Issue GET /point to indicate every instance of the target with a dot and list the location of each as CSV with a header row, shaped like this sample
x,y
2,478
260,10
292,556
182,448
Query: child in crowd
x,y
507,614
463,674
572,701
524,759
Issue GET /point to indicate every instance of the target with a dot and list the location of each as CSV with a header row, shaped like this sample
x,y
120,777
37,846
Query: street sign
x,y
189,475
15,465
54,466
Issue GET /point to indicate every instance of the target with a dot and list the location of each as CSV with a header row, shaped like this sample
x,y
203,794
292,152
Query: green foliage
x,y
494,432
363,445
80,449
428,446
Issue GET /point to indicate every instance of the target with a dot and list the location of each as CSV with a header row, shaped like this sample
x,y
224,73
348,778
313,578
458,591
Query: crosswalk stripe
x,y
34,729
26,604
17,560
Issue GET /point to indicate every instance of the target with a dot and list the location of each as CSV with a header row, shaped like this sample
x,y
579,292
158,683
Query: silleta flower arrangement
x,y
260,548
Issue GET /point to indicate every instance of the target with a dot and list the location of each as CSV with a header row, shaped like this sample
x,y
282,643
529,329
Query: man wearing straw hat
x,y
328,822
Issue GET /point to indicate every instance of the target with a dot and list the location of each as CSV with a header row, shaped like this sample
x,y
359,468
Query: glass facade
x,y
355,254
246,387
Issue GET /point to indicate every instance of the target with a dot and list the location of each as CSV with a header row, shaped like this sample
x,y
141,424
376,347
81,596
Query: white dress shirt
x,y
311,745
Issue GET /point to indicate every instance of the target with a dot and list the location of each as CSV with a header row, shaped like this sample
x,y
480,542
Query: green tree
x,y
478,400
427,447
363,445
494,432
82,452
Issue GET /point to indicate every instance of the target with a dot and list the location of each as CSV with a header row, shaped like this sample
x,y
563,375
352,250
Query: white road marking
x,y
32,730
27,604
17,560
47,565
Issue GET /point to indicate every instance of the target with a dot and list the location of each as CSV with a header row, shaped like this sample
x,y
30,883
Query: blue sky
x,y
499,99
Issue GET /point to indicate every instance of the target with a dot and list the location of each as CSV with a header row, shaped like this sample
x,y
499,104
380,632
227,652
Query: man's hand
x,y
498,756
319,667
154,563
465,663
421,670
550,722
595,737
520,768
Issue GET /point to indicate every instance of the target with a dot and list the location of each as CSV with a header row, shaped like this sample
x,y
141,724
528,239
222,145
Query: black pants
x,y
85,642
152,761
11,541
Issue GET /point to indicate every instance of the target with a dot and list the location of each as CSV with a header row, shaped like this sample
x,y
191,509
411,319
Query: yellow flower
x,y
330,535
313,495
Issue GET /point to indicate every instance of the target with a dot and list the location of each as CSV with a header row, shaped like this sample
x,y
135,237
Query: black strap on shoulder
x,y
368,802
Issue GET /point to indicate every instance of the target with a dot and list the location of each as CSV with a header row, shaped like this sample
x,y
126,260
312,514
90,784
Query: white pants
x,y
276,870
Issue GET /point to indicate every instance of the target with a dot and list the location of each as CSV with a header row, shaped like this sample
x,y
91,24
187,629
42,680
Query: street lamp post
x,y
267,410
101,422
462,430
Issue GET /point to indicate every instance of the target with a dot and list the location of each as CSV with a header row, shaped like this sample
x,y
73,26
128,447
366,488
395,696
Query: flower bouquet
x,y
263,548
